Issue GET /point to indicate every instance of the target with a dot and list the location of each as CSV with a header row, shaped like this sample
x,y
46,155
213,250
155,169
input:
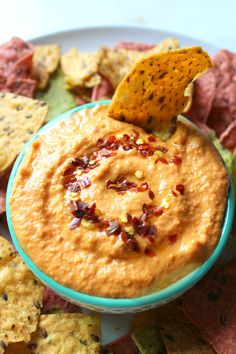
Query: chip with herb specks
x,y
115,63
20,118
211,306
45,62
178,334
68,333
152,94
59,100
21,296
80,69
148,340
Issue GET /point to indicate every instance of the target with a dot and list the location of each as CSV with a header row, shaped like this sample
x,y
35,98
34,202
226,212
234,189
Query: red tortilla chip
x,y
53,302
228,137
16,68
203,96
79,100
142,47
2,201
211,306
103,90
123,345
223,64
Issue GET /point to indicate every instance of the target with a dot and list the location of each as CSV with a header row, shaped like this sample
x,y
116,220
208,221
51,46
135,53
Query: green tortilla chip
x,y
148,340
21,297
69,333
57,97
178,334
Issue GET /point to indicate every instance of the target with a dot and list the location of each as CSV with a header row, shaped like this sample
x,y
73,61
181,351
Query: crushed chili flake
x,y
146,230
133,244
143,187
151,139
174,193
74,187
113,228
75,223
85,182
176,160
149,252
180,188
163,160
161,148
173,238
121,184
151,194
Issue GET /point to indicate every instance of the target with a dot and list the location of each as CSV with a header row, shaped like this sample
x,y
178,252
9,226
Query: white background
x,y
208,20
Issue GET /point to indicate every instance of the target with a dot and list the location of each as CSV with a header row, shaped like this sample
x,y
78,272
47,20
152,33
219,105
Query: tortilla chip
x,y
148,340
124,345
18,348
2,200
58,99
67,333
152,94
45,62
80,69
178,334
115,64
53,303
20,118
211,306
21,296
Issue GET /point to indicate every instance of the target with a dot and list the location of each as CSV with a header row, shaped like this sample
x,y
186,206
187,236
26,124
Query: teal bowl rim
x,y
159,297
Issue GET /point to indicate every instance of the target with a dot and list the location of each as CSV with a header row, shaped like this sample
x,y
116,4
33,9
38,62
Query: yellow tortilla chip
x,y
80,69
18,348
20,297
67,333
20,118
45,62
152,94
115,64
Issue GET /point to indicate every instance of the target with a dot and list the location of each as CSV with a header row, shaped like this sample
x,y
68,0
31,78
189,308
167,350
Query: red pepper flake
x,y
133,244
150,211
85,182
121,184
104,153
73,205
173,238
180,188
123,236
176,160
75,223
146,230
129,218
163,160
149,252
174,193
161,148
151,194
151,239
143,187
113,228
74,187
68,171
151,139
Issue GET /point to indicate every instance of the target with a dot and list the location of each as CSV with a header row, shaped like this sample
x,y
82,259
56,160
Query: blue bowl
x,y
119,305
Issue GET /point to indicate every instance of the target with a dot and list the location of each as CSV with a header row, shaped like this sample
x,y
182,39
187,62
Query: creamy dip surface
x,y
107,209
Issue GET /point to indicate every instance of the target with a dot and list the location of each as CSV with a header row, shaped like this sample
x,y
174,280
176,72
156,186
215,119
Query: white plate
x,y
92,38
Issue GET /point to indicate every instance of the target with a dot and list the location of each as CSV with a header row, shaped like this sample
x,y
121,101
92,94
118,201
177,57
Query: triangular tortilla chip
x,y
20,118
153,93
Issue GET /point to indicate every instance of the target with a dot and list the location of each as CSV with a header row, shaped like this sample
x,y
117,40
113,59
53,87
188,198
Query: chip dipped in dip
x,y
107,209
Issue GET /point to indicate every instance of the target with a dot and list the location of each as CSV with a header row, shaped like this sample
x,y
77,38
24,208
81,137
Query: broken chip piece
x,y
153,93
20,118
21,297
45,62
67,333
80,69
